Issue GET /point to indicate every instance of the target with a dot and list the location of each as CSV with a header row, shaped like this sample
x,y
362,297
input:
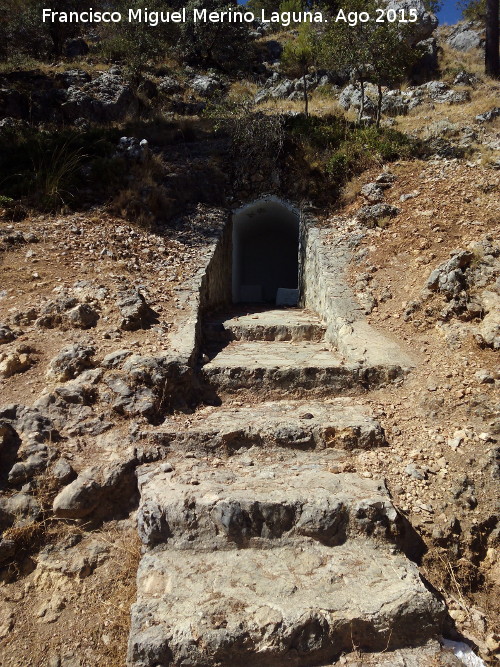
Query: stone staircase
x,y
256,551
282,354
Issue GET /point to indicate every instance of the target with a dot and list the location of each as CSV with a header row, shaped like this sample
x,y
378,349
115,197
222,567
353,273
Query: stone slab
x,y
288,369
239,506
291,324
293,606
336,423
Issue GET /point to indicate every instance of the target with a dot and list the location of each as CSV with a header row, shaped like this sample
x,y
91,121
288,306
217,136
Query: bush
x,y
341,149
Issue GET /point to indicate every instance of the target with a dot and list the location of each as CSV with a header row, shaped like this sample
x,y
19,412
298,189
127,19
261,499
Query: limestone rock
x,y
11,364
6,334
488,333
449,277
206,86
26,470
488,116
20,508
330,424
373,193
169,85
70,362
466,36
97,488
370,215
244,508
441,93
73,77
79,498
425,24
83,316
135,311
62,471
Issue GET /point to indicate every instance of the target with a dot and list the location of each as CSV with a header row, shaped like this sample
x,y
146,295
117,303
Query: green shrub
x,y
341,149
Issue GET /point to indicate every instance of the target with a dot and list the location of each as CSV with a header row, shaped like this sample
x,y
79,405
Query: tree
x,y
491,56
390,57
225,45
137,44
370,51
299,55
473,10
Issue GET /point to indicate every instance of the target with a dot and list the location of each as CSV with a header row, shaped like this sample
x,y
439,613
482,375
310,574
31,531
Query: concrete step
x,y
293,606
336,423
198,506
283,325
289,369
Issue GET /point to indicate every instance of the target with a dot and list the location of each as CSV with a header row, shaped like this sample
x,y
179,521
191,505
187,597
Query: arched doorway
x,y
265,253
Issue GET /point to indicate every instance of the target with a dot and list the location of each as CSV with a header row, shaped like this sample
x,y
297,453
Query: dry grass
x,y
319,105
113,611
452,61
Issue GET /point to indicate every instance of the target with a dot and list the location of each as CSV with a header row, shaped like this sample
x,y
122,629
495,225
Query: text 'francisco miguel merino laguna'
x,y
154,18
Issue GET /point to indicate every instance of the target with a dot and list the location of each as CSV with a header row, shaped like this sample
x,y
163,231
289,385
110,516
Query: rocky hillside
x,y
114,191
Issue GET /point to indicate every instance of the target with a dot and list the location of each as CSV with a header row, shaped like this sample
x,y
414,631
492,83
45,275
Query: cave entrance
x,y
265,252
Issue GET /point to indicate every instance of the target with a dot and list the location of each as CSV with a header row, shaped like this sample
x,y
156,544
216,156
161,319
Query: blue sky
x,y
448,14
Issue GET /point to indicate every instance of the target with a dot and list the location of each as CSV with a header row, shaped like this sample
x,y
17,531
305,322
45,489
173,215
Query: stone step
x,y
289,369
282,325
199,506
336,423
293,606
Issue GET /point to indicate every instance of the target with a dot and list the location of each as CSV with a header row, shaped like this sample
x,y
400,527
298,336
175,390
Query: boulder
x,y
73,77
372,192
449,277
466,36
24,471
441,93
106,98
79,498
70,362
134,310
97,488
488,334
82,316
428,63
11,364
62,471
114,96
6,334
425,24
370,215
169,85
206,85
134,149
464,78
282,90
79,105
20,508
350,98
488,116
